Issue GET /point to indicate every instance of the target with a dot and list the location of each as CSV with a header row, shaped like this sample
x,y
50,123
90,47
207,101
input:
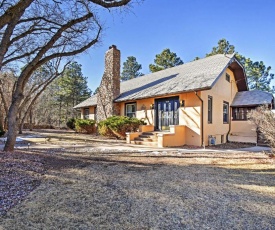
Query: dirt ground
x,y
84,188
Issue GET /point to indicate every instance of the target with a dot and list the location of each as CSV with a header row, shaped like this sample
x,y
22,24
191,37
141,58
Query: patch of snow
x,y
155,152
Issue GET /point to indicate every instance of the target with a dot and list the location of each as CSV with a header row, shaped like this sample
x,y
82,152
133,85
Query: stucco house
x,y
202,102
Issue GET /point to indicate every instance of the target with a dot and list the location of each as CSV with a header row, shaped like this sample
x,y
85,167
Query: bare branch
x,y
14,12
110,3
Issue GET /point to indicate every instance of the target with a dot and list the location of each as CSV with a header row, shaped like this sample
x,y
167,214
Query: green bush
x,y
71,123
87,126
117,126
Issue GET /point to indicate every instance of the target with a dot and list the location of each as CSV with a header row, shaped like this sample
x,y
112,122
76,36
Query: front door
x,y
167,112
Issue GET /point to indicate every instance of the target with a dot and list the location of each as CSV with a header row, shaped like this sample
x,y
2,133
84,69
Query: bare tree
x,y
37,84
34,32
7,82
264,119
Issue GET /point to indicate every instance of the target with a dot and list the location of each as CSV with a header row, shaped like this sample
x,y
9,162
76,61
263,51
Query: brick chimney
x,y
109,88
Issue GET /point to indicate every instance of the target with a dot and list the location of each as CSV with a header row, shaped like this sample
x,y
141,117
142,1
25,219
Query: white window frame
x,y
130,113
225,112
85,114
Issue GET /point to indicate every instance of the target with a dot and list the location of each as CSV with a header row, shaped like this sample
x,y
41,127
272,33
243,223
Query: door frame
x,y
156,120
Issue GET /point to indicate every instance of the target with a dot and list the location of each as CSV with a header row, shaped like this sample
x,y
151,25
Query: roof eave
x,y
164,95
234,69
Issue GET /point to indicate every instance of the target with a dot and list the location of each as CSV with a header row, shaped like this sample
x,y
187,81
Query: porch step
x,y
146,138
149,133
155,138
146,143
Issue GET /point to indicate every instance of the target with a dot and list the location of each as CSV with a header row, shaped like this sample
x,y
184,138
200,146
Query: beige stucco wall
x,y
91,113
143,110
190,116
221,91
176,137
243,131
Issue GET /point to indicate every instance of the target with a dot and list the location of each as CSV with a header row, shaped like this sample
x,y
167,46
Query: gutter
x,y
202,128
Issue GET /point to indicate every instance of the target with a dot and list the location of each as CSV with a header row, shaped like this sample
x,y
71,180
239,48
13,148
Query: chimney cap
x,y
112,47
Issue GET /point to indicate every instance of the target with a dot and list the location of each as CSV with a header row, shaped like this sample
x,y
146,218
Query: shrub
x,y
87,126
264,119
38,126
71,123
117,126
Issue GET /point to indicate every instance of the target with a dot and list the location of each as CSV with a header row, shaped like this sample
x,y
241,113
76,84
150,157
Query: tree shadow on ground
x,y
94,190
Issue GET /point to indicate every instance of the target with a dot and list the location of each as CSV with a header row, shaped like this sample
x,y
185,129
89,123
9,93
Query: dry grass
x,y
88,189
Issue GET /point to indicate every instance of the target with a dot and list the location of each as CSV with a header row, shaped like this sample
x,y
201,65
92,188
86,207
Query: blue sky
x,y
189,28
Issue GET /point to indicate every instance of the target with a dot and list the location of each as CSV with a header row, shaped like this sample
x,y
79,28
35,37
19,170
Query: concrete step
x,y
149,133
146,143
148,136
145,139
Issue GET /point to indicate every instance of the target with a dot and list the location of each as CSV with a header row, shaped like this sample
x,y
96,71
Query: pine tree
x,y
166,59
131,69
224,47
258,75
72,89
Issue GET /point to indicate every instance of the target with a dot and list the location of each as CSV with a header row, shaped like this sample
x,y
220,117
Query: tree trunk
x,y
13,122
12,129
20,124
1,121
31,122
60,113
20,128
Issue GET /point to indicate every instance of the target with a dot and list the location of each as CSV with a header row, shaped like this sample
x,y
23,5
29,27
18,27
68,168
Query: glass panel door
x,y
167,113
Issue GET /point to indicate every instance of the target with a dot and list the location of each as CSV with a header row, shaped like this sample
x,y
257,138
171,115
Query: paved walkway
x,y
128,147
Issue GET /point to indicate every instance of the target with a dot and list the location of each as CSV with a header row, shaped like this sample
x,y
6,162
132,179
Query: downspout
x,y
202,133
229,130
230,115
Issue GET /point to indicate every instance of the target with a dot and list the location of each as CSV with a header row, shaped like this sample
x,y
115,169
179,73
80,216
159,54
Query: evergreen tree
x,y
166,59
131,69
224,47
96,91
258,75
73,85
72,89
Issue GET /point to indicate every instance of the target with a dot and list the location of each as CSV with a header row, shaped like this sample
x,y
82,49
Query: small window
x,y
222,139
86,113
227,77
210,108
225,112
130,110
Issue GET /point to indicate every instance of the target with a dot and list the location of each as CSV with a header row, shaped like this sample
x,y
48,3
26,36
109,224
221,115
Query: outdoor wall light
x,y
182,103
152,106
143,107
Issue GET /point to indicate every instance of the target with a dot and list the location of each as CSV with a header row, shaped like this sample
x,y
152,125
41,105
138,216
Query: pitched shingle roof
x,y
196,75
252,98
88,102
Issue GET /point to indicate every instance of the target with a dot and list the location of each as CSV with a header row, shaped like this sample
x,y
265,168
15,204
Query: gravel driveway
x,y
151,190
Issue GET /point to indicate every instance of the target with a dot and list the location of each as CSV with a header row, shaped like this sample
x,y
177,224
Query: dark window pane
x,y
225,112
210,106
130,110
